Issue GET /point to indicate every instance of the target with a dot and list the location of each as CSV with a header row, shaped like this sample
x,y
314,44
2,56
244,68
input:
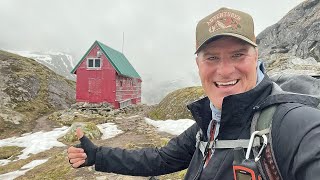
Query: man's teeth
x,y
226,83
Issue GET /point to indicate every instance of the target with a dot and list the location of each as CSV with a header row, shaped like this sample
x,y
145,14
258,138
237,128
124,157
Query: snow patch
x,y
36,142
34,163
174,127
109,130
24,169
4,162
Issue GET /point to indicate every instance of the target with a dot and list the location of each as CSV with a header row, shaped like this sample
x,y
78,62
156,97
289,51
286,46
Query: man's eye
x,y
237,55
212,58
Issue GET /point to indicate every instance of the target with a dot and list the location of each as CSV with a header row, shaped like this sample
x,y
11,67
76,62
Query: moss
x,y
164,141
57,167
7,152
177,175
25,68
173,106
13,166
182,173
130,145
88,128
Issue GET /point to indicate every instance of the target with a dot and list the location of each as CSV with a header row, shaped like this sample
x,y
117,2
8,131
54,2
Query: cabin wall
x,y
96,85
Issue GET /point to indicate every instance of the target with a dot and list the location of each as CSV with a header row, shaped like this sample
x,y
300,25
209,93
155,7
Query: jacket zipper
x,y
206,152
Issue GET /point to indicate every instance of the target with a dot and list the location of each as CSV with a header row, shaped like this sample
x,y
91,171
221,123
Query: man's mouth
x,y
226,84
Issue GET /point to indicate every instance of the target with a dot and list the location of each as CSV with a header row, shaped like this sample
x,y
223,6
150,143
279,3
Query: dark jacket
x,y
294,160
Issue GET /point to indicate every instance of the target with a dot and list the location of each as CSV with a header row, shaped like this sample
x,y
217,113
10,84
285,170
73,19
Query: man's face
x,y
227,66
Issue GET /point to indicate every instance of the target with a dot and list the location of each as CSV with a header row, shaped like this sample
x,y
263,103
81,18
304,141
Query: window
x,y
97,63
94,63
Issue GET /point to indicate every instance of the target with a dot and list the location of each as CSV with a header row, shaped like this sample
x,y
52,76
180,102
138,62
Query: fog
x,y
158,37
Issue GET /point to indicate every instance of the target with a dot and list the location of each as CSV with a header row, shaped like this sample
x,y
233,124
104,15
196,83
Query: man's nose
x,y
225,67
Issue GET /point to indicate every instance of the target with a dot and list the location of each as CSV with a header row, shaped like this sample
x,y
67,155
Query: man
x,y
236,86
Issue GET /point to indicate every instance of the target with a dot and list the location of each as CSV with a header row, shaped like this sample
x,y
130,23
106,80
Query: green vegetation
x,y
22,68
88,128
57,167
28,88
10,152
173,106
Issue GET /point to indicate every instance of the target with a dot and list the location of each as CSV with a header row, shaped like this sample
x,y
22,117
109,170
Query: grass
x,y
26,74
21,69
10,152
173,106
57,167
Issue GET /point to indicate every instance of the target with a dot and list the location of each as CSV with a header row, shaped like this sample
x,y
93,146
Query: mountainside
x,y
29,90
173,106
297,33
60,63
153,92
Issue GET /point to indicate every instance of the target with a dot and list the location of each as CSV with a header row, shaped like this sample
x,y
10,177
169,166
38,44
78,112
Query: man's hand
x,y
84,154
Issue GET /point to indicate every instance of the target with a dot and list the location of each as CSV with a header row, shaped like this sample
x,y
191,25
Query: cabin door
x,y
95,92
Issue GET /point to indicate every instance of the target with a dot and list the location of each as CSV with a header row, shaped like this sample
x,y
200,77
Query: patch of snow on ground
x,y
109,130
4,162
36,142
24,169
174,127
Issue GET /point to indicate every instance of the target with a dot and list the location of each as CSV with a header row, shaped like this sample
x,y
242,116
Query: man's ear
x,y
257,52
197,61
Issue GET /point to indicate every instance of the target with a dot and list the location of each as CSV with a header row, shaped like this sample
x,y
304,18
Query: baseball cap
x,y
225,22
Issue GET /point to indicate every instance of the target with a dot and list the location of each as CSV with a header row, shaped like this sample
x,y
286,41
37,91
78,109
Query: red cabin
x,y
106,75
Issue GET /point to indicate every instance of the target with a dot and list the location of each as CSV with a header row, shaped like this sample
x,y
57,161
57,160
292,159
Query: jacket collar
x,y
233,107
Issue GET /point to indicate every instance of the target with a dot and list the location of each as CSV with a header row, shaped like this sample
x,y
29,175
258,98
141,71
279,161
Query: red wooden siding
x,y
128,89
105,84
98,84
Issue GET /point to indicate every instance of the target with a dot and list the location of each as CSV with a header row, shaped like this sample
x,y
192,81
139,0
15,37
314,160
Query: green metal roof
x,y
119,62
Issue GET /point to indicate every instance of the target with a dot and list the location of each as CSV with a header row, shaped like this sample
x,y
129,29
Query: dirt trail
x,y
43,124
136,134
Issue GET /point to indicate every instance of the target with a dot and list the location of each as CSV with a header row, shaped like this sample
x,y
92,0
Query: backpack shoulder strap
x,y
262,121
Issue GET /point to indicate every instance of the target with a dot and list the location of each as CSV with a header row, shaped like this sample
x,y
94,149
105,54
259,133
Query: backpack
x,y
287,86
285,89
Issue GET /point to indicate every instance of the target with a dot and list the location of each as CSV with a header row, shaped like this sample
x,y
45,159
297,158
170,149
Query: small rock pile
x,y
92,112
288,64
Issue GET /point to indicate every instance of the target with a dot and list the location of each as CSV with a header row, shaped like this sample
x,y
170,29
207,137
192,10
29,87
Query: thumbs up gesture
x,y
84,154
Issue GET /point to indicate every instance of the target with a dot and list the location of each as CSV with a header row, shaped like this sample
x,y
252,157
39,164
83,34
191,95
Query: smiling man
x,y
236,88
227,66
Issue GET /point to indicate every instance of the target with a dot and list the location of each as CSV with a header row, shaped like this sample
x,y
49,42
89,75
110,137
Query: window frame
x,y
94,63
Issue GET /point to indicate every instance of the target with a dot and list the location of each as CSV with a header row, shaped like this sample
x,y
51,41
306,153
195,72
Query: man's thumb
x,y
79,133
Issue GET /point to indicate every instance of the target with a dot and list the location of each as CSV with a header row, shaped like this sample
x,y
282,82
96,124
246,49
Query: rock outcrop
x,y
297,33
29,90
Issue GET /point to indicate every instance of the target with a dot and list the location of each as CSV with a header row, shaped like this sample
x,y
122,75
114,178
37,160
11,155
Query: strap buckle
x,y
251,141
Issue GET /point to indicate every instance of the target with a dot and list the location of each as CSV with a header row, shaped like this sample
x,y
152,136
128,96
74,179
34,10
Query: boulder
x,y
89,129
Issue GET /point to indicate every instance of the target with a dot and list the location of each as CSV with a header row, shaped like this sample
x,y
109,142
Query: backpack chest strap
x,y
227,144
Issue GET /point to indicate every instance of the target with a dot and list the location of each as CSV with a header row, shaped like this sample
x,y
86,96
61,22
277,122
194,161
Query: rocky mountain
x,y
297,33
60,63
29,90
295,39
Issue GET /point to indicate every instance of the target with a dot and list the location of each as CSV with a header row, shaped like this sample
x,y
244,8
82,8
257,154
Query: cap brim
x,y
226,34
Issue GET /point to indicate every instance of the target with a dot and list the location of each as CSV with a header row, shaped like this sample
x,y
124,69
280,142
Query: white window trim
x,y
94,60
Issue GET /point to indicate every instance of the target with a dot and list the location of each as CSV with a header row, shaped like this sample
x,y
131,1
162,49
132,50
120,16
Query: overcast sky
x,y
159,36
